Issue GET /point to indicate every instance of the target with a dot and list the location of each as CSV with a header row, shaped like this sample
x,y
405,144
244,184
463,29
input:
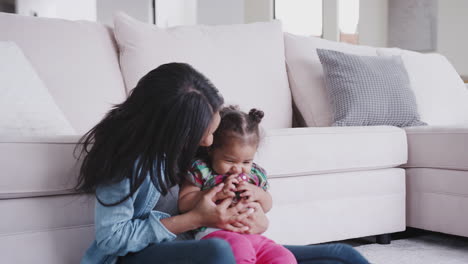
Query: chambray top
x,y
128,227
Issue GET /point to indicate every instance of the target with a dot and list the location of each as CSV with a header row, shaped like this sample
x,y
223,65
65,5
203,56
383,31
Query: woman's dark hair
x,y
155,132
238,124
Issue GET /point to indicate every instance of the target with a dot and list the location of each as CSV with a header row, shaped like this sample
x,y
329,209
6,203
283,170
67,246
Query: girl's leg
x,y
327,254
244,252
213,251
269,252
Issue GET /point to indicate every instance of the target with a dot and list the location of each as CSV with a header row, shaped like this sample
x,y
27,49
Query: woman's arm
x,y
189,196
117,232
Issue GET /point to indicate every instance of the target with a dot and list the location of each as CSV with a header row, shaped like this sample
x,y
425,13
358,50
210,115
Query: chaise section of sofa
x,y
437,179
436,172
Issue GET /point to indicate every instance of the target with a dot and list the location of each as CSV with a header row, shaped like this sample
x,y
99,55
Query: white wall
x,y
66,9
176,12
139,9
217,12
258,10
330,20
452,33
373,22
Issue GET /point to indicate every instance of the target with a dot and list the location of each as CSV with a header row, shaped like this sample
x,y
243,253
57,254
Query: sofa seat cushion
x,y
307,151
283,153
438,147
337,206
76,60
34,167
245,62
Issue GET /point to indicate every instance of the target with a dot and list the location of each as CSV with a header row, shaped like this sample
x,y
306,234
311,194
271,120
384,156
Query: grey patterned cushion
x,y
369,90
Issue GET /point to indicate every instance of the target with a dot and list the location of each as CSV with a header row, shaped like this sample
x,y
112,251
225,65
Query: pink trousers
x,y
254,248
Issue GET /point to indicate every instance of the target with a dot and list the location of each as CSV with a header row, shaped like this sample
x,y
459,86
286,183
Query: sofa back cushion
x,y
306,76
245,62
25,103
77,61
441,95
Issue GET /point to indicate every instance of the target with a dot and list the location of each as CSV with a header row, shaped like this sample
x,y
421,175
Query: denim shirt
x,y
127,227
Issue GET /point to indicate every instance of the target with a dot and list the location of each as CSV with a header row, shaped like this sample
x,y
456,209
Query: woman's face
x,y
207,139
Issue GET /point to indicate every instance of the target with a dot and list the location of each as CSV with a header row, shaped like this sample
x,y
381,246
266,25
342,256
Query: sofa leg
x,y
383,239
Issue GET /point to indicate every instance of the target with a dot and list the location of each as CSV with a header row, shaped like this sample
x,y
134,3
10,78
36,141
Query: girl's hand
x,y
249,192
229,188
257,221
208,213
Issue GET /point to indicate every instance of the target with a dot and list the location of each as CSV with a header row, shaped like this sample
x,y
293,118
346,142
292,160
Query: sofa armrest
x,y
318,150
438,147
37,166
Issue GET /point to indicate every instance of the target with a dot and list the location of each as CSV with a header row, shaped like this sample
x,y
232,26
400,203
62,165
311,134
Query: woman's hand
x,y
208,213
257,221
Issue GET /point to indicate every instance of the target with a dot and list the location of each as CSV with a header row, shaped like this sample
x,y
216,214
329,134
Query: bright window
x,y
302,17
348,20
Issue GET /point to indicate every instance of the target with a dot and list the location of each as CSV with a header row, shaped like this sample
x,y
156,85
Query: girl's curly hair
x,y
238,124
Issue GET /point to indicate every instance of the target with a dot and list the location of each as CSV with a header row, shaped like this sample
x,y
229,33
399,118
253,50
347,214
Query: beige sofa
x,y
328,183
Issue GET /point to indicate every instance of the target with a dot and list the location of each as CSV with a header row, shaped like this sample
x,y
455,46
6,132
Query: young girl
x,y
230,161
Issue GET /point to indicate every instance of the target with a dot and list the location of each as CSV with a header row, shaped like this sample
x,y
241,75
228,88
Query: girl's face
x,y
207,139
235,157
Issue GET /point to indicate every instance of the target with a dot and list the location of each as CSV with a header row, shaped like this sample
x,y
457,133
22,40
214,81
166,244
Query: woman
x,y
139,151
